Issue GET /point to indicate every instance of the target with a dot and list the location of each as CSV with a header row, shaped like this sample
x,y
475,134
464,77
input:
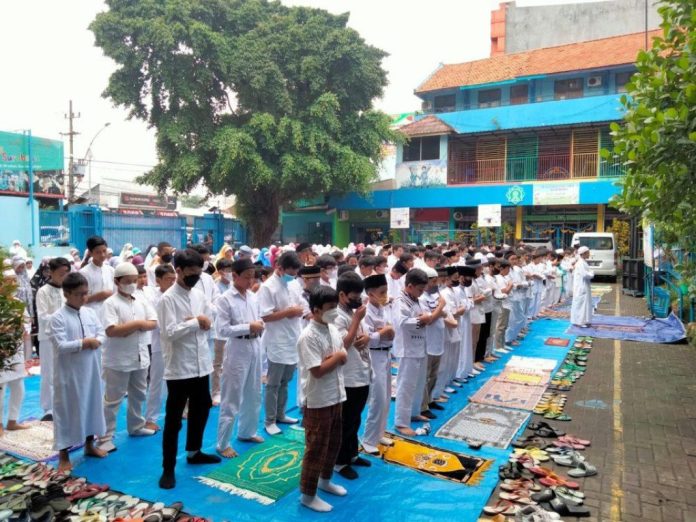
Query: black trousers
x,y
197,392
483,337
356,398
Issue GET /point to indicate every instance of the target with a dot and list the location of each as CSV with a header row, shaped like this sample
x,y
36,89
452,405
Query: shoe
x,y
435,406
203,458
359,461
167,480
386,441
288,420
372,450
347,472
273,429
142,432
428,414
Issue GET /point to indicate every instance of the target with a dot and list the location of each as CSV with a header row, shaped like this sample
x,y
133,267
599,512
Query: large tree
x,y
252,98
657,140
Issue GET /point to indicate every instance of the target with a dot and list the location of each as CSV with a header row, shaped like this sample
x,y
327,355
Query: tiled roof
x,y
616,50
427,126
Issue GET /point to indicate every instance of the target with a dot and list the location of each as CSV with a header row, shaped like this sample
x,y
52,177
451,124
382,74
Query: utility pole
x,y
70,116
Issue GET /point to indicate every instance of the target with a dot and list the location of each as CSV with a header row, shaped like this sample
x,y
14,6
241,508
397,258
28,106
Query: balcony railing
x,y
532,168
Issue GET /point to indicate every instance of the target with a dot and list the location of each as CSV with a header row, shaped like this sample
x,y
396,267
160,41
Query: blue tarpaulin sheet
x,y
644,329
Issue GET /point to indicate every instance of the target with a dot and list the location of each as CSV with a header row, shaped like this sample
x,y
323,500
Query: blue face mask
x,y
286,278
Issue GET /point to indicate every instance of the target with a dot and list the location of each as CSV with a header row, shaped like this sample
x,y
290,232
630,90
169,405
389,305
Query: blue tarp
x,y
384,492
644,329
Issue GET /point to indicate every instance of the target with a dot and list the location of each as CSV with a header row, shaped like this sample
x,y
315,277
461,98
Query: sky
x,y
49,57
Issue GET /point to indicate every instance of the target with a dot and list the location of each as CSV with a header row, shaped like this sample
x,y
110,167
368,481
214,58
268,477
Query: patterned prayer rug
x,y
524,376
35,443
508,395
265,473
441,463
493,426
557,341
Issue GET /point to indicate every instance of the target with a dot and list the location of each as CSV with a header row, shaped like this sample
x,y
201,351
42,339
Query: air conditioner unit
x,y
343,215
594,81
458,216
381,214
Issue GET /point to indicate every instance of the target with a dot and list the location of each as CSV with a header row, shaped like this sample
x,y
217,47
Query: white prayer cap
x,y
490,256
582,250
559,250
16,242
430,272
479,255
125,269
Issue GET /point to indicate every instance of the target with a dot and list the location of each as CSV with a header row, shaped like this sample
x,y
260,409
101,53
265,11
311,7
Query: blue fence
x,y
54,227
214,230
142,231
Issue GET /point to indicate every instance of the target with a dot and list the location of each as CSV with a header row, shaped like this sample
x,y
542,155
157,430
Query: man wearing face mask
x,y
127,319
282,308
165,254
223,282
329,270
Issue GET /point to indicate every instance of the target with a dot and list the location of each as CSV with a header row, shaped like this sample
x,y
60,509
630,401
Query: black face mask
x,y
191,280
455,283
354,303
468,282
167,258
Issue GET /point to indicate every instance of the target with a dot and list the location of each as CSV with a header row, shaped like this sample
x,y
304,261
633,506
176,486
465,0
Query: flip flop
x,y
566,509
545,430
516,497
570,459
501,507
583,469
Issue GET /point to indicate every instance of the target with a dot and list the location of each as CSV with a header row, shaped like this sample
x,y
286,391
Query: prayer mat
x,y
35,443
531,363
491,425
524,376
265,473
642,329
508,395
441,463
557,341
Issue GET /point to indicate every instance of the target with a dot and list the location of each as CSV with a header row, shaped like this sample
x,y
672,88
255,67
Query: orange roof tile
x,y
616,50
428,126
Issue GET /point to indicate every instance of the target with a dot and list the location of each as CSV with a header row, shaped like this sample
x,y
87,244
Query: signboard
x,y
147,201
421,174
490,215
400,217
46,164
556,194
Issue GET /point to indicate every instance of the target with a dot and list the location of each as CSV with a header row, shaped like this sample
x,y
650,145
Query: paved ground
x,y
637,402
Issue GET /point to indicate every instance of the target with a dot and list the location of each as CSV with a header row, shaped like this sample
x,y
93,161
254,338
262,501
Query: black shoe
x,y
167,480
203,458
435,406
348,473
428,414
359,461
47,418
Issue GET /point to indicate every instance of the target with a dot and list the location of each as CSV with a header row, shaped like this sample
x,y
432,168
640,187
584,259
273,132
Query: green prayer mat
x,y
265,473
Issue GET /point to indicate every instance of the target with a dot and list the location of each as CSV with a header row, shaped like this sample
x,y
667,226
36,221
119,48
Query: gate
x,y
213,230
54,227
142,231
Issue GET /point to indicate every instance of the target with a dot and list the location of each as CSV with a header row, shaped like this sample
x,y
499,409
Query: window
x,y
567,89
489,98
622,79
597,243
422,149
519,94
445,103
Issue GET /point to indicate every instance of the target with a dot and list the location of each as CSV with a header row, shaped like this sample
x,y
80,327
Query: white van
x,y
602,247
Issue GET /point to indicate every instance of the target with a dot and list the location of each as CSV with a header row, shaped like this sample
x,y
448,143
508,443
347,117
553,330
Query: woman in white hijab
x,y
126,253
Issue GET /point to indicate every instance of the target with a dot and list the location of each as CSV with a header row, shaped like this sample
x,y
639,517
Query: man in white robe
x,y
581,309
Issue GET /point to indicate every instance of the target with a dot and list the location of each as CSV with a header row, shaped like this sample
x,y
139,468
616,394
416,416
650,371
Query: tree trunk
x,y
261,212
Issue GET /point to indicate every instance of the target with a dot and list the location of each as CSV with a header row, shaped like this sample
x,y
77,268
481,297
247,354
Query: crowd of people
x,y
233,329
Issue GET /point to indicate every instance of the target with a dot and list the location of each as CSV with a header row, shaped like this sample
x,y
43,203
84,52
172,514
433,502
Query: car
x,y
602,247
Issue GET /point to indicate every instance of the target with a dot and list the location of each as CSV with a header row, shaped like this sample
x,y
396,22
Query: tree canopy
x,y
657,140
250,97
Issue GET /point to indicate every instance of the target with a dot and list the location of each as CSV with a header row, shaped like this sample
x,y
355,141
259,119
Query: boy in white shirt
x,y
357,372
128,321
434,303
99,274
321,357
49,299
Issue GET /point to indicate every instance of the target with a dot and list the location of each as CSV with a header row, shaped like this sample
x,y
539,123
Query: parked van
x,y
602,247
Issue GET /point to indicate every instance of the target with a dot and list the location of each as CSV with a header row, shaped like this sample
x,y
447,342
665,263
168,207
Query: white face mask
x,y
329,316
129,289
333,274
206,264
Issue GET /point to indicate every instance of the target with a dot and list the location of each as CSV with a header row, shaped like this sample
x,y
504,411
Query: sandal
x,y
566,508
517,496
550,478
501,507
570,459
40,509
583,469
521,484
543,429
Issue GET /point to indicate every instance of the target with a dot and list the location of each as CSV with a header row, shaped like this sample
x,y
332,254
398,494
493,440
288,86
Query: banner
x,y
400,218
147,201
46,163
490,215
421,174
556,194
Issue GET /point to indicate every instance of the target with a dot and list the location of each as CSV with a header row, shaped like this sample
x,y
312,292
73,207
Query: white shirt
x,y
478,316
154,296
357,371
99,278
452,296
234,313
435,331
316,343
184,344
280,337
128,353
395,286
376,318
409,340
49,299
501,282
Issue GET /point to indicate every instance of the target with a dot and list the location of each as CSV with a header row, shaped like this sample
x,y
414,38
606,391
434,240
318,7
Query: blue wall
x,y
591,193
16,221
